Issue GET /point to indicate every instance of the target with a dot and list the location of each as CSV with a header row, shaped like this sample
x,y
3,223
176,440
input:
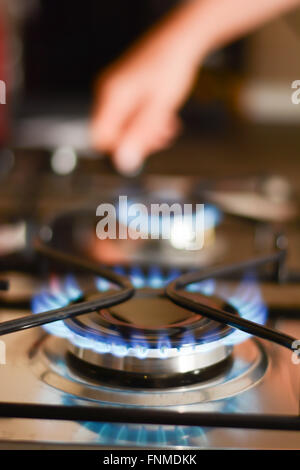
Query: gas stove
x,y
114,341
145,346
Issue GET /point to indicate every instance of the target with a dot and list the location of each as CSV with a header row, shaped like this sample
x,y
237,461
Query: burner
x,y
55,366
75,231
148,341
143,331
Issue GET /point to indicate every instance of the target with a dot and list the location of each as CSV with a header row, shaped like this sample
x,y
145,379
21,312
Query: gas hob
x,y
146,361
143,345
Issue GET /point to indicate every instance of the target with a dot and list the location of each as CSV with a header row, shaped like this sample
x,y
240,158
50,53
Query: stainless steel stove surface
x,y
148,353
263,380
132,355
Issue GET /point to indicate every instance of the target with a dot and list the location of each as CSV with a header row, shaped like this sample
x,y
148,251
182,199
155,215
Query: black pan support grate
x,y
174,292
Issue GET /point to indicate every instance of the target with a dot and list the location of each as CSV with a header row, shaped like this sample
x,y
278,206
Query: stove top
x,y
37,372
148,341
143,345
144,352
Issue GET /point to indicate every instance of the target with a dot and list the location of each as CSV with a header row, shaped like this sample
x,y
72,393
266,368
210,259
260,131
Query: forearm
x,y
204,25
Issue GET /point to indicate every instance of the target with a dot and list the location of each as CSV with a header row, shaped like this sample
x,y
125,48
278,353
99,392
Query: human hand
x,y
138,97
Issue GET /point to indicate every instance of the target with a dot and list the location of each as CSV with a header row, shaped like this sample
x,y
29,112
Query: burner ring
x,y
132,325
154,374
249,366
150,341
153,368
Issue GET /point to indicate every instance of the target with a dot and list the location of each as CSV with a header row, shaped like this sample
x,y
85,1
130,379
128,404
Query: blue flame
x,y
102,285
155,278
187,343
164,347
55,296
72,290
212,216
137,277
246,299
143,435
140,349
207,287
119,348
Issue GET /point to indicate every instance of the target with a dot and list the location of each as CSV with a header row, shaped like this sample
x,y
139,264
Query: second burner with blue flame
x,y
148,341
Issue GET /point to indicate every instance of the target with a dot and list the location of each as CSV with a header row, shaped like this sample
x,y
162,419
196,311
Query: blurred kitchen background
x,y
238,123
54,50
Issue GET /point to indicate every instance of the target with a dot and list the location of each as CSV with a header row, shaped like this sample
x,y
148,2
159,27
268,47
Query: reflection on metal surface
x,y
46,379
79,235
180,225
249,366
162,436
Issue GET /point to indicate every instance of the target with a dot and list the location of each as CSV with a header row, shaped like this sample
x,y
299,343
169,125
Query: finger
x,y
149,130
170,128
113,109
165,135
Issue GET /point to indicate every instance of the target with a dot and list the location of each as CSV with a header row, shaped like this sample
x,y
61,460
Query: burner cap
x,y
150,320
150,341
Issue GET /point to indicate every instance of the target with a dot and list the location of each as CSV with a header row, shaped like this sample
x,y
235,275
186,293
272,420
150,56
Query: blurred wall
x,y
273,51
271,65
